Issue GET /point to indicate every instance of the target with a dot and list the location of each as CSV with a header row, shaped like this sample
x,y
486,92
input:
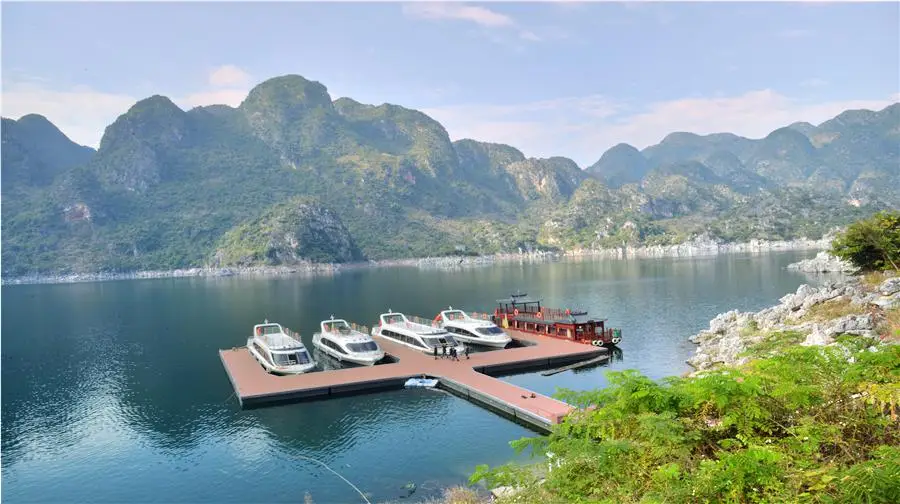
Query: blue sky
x,y
550,78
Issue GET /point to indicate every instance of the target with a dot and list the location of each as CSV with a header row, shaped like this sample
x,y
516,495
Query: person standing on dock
x,y
443,350
467,352
435,352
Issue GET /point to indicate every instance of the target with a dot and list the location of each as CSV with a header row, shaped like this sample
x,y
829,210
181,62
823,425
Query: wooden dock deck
x,y
468,378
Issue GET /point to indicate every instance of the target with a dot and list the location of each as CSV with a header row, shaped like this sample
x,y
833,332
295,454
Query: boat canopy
x,y
335,325
393,318
518,300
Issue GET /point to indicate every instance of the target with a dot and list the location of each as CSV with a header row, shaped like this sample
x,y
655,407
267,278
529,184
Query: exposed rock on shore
x,y
823,263
704,246
814,315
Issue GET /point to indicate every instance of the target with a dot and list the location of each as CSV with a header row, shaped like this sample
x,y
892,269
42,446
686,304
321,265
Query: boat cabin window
x,y
393,319
489,331
368,346
259,349
403,338
290,358
440,341
332,345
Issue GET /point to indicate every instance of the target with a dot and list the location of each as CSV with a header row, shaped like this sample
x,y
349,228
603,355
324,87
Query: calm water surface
x,y
114,392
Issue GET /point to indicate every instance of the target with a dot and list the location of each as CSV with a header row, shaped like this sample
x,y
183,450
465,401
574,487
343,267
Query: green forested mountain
x,y
292,175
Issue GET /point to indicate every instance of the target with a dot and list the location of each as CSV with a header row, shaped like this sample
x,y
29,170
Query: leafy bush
x,y
871,244
812,424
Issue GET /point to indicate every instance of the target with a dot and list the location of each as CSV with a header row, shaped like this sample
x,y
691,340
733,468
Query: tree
x,y
871,244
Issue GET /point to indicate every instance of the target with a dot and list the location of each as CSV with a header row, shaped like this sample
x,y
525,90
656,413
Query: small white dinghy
x,y
421,383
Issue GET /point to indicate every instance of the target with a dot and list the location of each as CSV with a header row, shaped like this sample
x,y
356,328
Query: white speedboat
x,y
344,343
279,350
420,336
472,330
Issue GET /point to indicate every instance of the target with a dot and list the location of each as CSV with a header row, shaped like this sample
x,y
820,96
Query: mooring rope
x,y
323,464
229,397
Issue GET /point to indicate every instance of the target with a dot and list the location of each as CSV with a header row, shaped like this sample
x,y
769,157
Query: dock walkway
x,y
468,378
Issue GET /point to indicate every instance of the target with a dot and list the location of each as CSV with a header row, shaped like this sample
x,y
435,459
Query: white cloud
x,y
457,11
482,16
582,128
81,113
228,76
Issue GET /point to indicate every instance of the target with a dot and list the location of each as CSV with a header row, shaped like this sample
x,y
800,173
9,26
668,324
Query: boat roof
x,y
334,322
351,336
280,342
267,324
469,322
399,321
518,300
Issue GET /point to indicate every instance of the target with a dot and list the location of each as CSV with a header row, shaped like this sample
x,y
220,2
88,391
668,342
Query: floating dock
x,y
469,378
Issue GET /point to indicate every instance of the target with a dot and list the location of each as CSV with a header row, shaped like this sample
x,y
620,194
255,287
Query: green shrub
x,y
871,244
809,425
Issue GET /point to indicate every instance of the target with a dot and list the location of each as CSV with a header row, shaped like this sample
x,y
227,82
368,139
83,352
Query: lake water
x,y
114,392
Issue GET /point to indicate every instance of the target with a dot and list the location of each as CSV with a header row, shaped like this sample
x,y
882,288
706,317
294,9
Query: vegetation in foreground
x,y
811,424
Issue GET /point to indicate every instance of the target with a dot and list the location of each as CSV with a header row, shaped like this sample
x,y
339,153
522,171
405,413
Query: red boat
x,y
522,314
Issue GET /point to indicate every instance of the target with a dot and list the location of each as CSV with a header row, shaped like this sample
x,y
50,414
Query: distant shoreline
x,y
696,248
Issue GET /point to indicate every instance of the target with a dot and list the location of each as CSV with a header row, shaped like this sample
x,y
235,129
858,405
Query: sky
x,y
552,79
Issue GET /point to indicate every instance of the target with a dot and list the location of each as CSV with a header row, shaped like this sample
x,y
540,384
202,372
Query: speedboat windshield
x,y
367,346
393,319
489,331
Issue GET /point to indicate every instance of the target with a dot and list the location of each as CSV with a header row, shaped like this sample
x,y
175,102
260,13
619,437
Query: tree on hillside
x,y
871,244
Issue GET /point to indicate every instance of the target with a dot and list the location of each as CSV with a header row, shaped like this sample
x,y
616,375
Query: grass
x,y
875,278
775,342
889,329
833,309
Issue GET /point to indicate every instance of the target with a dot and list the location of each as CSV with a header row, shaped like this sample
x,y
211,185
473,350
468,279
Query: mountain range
x,y
291,175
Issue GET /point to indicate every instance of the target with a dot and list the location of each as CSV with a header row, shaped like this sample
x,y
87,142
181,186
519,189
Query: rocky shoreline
x,y
824,262
700,247
705,246
816,315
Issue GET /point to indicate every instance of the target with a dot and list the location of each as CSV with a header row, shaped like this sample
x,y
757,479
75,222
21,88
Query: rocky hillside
x,y
289,233
811,316
35,152
170,188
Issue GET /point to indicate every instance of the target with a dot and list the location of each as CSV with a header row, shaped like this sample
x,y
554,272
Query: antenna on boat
x,y
451,308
